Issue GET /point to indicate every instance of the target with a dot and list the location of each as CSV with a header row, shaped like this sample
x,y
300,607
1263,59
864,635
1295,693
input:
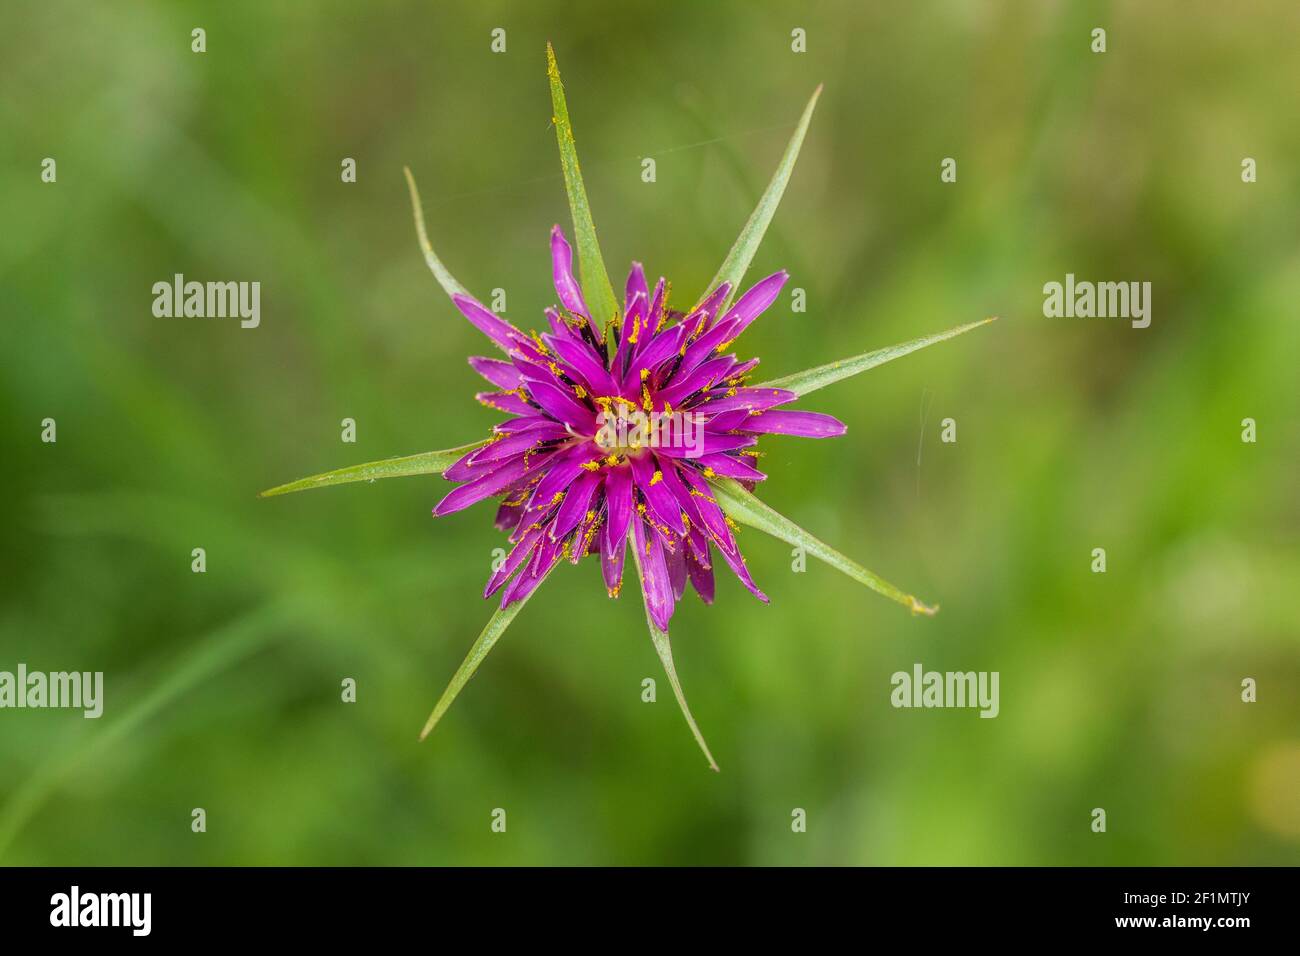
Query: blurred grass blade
x,y
591,266
445,278
664,648
809,380
486,641
426,463
733,268
743,507
210,655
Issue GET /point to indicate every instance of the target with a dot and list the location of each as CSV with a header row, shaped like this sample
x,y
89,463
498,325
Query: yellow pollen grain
x,y
656,478
709,473
590,465
579,391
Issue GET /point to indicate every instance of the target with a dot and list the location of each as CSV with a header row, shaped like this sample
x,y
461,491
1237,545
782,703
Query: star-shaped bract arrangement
x,y
569,488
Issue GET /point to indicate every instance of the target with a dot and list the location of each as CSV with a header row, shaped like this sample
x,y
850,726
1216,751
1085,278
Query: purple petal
x,y
566,286
663,346
655,583
705,347
612,552
506,402
656,310
754,302
749,399
683,387
494,327
584,536
701,575
732,466
703,314
657,494
463,468
803,424
513,445
675,559
588,368
713,442
576,502
636,285
618,501
508,516
526,423
563,406
726,422
499,373
508,473
672,479
518,554
531,578
563,469
629,335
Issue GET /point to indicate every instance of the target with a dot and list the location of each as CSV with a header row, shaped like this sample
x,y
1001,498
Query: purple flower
x,y
628,426
617,431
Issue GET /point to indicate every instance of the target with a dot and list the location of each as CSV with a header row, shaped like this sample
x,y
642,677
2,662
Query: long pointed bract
x,y
596,288
742,252
811,379
743,507
492,632
663,647
445,279
425,463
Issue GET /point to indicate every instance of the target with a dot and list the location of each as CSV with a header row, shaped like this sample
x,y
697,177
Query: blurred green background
x,y
1118,690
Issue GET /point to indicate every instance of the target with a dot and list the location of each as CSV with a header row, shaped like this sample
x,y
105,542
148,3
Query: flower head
x,y
631,425
616,431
